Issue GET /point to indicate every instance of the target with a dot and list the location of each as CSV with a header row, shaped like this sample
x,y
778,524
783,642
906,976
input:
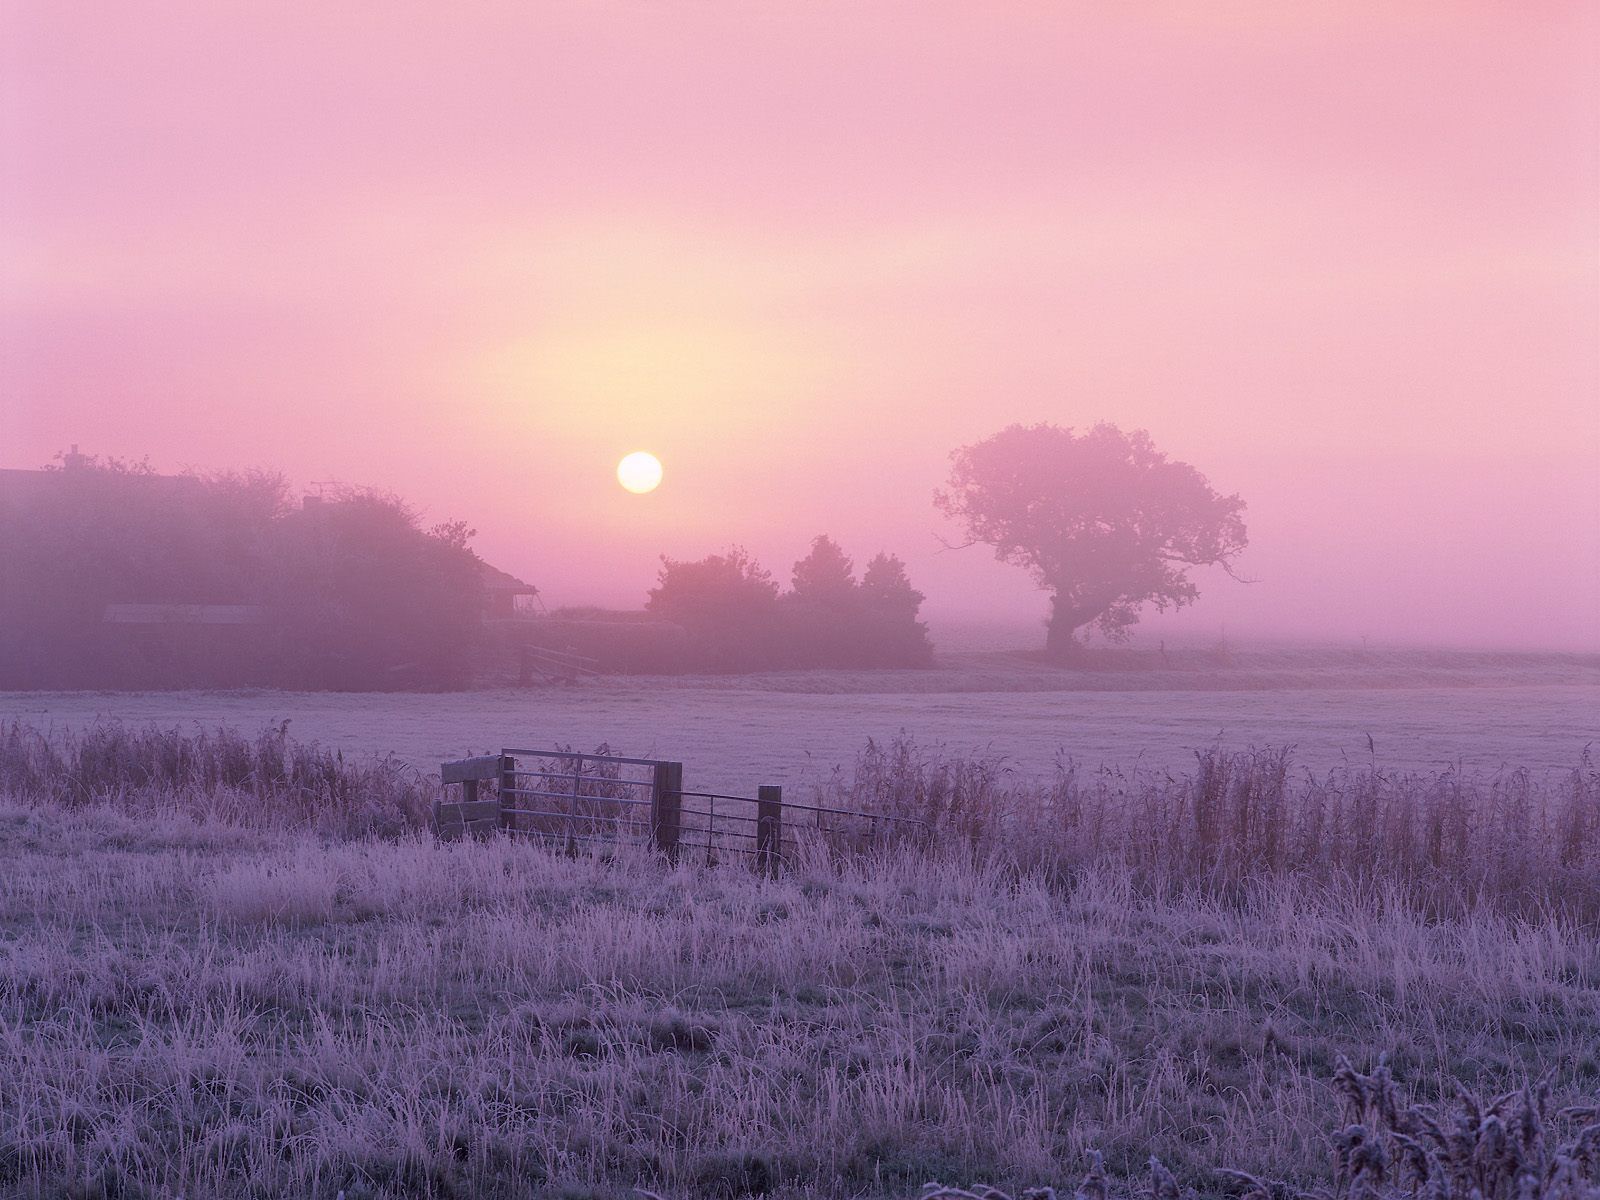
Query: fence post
x,y
508,781
769,827
666,806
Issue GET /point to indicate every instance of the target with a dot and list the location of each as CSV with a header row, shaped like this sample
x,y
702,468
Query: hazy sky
x,y
1342,258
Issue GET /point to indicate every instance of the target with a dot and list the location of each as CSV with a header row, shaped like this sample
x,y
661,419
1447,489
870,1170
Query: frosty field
x,y
201,996
231,965
734,732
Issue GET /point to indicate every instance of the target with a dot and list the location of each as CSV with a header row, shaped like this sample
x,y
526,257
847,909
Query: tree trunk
x,y
1059,641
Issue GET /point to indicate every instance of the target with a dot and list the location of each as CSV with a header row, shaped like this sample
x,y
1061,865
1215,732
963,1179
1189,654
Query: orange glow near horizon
x,y
1341,258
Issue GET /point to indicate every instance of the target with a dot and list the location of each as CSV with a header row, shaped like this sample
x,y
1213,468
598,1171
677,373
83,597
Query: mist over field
x,y
813,601
1342,259
736,733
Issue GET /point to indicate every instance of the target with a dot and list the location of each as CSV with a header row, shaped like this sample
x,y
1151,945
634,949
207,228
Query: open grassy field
x,y
235,966
205,1009
1422,709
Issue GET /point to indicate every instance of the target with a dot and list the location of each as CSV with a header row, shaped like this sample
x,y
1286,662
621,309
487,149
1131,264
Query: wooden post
x,y
572,810
666,806
769,828
508,781
456,818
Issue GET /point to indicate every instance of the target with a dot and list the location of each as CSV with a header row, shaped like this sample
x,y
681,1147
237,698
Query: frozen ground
x,y
735,732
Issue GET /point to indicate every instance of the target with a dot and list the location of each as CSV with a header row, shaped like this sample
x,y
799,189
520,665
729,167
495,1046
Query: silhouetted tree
x,y
728,602
889,606
822,610
736,619
825,576
886,589
1103,520
363,597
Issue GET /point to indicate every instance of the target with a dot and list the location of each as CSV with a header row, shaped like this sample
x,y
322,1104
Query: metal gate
x,y
568,798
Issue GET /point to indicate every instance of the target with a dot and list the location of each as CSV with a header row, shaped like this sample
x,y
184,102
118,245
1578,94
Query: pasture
x,y
1423,712
242,966
202,1009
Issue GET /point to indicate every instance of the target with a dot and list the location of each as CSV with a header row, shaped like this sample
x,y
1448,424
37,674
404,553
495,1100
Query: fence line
x,y
590,791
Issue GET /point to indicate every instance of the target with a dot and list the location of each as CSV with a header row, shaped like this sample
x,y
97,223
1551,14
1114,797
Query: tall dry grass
x,y
1449,840
271,779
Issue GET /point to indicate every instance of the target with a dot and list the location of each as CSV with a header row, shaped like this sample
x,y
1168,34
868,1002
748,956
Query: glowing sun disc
x,y
639,472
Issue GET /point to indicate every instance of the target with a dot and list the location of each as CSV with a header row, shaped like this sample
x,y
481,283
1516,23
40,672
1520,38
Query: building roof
x,y
496,580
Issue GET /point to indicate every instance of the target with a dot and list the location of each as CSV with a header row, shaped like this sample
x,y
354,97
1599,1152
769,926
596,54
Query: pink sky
x,y
1342,258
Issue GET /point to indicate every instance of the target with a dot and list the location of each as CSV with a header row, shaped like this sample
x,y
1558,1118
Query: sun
x,y
639,472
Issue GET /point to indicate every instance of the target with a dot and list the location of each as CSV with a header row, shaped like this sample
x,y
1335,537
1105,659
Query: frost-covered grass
x,y
266,780
1447,840
203,1007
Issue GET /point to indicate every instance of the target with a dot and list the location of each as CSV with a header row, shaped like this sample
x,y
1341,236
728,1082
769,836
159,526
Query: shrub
x,y
112,532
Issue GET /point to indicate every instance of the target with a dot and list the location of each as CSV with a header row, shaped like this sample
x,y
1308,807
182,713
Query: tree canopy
x,y
355,593
825,576
1104,521
737,619
721,588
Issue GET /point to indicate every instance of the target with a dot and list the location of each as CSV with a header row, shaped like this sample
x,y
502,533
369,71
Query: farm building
x,y
25,491
506,596
118,576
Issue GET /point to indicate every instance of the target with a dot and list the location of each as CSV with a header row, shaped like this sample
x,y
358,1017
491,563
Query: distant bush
x,y
578,613
737,619
892,635
110,532
831,620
